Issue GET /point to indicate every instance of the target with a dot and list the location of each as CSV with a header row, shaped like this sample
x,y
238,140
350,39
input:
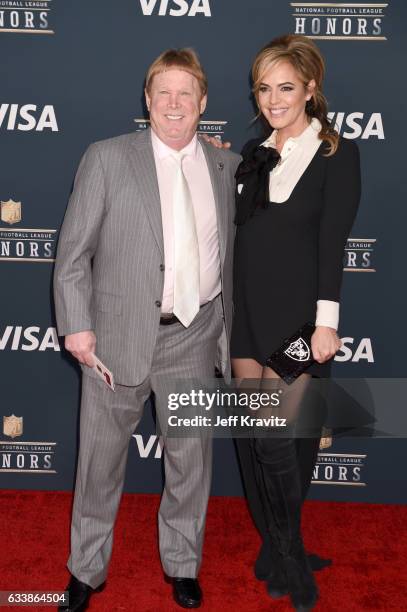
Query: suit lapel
x,y
217,174
143,162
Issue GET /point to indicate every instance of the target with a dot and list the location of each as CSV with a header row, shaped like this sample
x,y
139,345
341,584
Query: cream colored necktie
x,y
186,250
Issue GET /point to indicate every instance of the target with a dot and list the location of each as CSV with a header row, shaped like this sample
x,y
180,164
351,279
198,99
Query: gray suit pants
x,y
107,423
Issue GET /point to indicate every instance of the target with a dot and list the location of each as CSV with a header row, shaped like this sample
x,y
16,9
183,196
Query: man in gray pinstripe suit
x,y
143,279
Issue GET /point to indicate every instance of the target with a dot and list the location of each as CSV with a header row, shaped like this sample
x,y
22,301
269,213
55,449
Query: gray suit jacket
x,y
109,267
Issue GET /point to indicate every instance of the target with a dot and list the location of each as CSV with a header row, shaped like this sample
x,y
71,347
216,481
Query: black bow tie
x,y
254,173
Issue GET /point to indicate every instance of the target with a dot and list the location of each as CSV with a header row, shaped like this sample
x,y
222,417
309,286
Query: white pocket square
x,y
240,188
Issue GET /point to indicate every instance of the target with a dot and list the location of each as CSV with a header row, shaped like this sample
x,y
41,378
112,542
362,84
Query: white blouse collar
x,y
308,137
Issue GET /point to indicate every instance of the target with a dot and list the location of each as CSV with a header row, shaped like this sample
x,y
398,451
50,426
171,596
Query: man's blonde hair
x,y
181,59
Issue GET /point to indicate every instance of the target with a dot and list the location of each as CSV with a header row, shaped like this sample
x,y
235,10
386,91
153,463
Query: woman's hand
x,y
216,142
326,439
324,343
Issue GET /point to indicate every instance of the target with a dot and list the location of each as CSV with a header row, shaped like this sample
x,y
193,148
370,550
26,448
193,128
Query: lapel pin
x,y
220,166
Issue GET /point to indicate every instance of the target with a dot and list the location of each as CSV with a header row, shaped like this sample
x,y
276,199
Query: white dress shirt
x,y
296,155
199,182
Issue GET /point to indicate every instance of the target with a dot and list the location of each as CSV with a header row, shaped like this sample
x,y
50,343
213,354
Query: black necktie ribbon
x,y
254,171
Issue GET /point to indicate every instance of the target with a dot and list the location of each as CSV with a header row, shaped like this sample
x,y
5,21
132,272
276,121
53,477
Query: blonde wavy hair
x,y
305,57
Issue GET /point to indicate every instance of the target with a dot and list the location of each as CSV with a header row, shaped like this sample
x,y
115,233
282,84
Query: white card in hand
x,y
103,372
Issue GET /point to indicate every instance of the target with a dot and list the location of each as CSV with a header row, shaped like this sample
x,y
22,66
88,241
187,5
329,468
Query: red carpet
x,y
367,543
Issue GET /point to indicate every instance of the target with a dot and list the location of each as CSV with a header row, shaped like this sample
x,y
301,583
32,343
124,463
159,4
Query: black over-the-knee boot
x,y
280,487
307,451
265,564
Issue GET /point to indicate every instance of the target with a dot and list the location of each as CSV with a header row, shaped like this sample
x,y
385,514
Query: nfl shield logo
x,y
298,350
12,426
10,212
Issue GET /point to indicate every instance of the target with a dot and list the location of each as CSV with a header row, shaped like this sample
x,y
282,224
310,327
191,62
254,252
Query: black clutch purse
x,y
294,356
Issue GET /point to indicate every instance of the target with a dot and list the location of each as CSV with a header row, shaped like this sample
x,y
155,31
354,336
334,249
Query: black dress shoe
x,y
187,592
79,595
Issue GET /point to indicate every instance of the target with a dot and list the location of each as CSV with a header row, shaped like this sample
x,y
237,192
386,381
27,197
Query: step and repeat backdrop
x,y
71,73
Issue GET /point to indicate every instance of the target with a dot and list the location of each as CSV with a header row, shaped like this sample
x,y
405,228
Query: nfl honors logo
x,y
23,244
340,20
10,212
25,16
12,426
23,457
298,350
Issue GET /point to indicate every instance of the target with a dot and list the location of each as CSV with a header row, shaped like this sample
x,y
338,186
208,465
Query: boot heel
x,y
275,593
300,579
277,585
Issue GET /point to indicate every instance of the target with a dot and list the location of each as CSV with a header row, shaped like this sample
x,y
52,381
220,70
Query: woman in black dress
x,y
297,196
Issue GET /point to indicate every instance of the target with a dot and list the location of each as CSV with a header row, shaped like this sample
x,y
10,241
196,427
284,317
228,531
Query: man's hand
x,y
216,142
82,345
324,343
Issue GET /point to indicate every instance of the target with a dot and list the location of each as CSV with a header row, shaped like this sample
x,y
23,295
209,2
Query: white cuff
x,y
327,314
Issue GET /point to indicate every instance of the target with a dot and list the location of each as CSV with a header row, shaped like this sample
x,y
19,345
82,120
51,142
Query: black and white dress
x,y
288,258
